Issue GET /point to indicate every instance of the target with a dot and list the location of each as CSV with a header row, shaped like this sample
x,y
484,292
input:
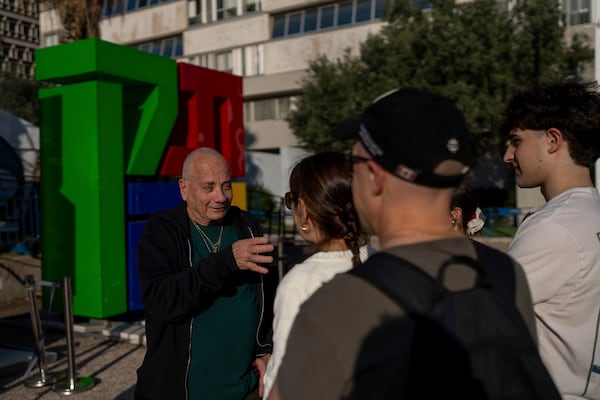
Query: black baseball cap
x,y
409,132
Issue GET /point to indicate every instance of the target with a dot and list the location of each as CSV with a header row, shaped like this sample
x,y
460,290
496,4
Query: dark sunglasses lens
x,y
288,200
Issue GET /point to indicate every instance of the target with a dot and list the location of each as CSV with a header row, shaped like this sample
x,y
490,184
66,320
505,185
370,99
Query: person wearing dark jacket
x,y
207,299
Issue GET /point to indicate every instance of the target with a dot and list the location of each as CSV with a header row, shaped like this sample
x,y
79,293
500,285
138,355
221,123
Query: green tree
x,y
475,53
19,97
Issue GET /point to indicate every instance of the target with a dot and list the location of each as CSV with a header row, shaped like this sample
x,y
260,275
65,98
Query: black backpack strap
x,y
397,277
499,268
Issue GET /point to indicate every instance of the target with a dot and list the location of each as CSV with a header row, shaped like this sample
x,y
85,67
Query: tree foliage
x,y
475,53
19,97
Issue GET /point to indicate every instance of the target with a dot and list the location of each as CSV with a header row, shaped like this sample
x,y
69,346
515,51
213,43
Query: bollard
x,y
45,378
73,383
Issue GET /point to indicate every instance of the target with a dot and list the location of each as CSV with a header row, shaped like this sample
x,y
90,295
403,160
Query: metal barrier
x,y
494,216
20,218
44,377
67,382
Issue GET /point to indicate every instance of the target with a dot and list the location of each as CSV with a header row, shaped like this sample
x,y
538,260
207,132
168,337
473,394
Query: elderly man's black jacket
x,y
173,291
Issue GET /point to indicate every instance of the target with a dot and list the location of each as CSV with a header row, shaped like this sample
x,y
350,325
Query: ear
x,y
377,177
555,139
183,188
456,214
301,211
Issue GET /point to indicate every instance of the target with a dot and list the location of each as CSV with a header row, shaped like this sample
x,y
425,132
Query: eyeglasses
x,y
288,198
354,159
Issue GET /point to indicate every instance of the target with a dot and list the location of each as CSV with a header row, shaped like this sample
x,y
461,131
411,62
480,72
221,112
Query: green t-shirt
x,y
223,334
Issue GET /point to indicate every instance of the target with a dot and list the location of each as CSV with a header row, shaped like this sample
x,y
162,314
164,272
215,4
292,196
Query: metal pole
x,y
280,241
44,377
72,383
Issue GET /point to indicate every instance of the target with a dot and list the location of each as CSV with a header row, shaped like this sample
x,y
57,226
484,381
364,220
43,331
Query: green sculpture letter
x,y
110,117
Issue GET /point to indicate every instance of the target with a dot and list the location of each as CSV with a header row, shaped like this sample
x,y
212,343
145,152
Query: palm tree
x,y
80,18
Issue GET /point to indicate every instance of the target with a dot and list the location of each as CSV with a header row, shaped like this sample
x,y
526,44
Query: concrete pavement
x,y
111,363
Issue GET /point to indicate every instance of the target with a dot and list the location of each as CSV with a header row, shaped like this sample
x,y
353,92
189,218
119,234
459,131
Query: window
x,y
12,27
379,8
230,8
226,9
578,11
261,110
178,47
34,33
247,111
209,11
51,39
342,13
251,6
200,59
131,5
27,55
326,17
224,62
264,109
168,47
310,20
245,61
279,26
363,10
284,107
147,47
20,30
194,11
294,23
252,63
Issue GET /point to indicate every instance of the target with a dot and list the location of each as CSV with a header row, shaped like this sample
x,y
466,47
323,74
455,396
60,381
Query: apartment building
x,y
19,36
268,42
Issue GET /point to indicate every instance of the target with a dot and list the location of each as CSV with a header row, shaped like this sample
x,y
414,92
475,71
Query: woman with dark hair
x,y
320,198
465,213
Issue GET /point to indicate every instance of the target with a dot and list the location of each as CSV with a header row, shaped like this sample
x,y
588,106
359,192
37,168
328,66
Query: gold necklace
x,y
210,246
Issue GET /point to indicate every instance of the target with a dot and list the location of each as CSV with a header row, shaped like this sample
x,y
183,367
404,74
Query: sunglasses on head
x,y
288,198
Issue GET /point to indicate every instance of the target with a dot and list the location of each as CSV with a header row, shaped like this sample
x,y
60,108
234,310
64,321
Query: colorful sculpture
x,y
114,134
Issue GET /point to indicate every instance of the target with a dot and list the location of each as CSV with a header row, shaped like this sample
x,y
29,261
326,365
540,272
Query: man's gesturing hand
x,y
248,253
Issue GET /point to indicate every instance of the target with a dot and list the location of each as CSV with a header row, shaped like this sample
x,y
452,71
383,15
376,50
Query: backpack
x,y
467,344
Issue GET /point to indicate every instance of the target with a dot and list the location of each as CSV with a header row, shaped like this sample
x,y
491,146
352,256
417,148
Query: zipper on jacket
x,y
262,303
189,359
262,312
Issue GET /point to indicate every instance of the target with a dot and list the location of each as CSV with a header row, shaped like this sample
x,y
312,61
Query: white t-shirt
x,y
559,248
293,290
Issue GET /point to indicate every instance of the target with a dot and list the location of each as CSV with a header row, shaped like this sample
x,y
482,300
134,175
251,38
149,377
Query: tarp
x,y
24,138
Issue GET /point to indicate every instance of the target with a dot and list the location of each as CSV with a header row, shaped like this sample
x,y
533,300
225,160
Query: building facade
x,y
19,36
268,42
